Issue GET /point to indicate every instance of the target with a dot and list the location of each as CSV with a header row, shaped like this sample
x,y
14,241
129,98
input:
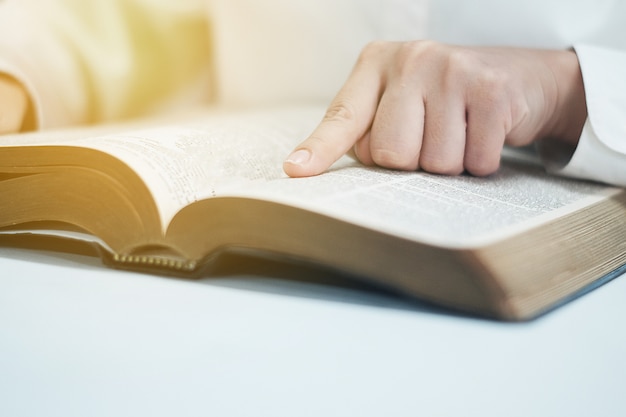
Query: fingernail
x,y
299,157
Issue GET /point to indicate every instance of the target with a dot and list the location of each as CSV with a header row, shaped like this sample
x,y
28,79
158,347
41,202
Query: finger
x,y
362,150
486,131
347,119
396,134
443,145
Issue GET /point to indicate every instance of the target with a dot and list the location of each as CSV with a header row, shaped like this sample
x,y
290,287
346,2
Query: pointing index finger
x,y
347,119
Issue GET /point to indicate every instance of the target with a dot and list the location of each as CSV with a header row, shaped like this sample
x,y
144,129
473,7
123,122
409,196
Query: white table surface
x,y
77,339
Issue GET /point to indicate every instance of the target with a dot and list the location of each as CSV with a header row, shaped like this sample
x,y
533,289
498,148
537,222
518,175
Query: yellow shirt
x,y
95,60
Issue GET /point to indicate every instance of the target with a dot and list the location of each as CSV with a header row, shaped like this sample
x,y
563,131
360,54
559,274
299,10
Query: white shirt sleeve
x,y
601,151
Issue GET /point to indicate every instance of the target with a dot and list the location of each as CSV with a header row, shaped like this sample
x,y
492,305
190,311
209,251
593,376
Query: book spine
x,y
155,262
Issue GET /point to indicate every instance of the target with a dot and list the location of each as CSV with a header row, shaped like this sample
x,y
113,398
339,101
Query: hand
x,y
445,109
14,106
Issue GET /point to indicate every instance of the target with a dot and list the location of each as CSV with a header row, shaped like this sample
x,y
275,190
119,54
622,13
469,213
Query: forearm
x,y
571,108
84,62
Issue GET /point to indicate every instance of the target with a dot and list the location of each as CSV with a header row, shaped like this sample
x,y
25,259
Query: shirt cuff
x,y
601,151
592,159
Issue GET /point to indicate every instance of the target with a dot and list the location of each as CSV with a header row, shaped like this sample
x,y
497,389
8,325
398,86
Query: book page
x,y
207,153
188,157
219,153
460,211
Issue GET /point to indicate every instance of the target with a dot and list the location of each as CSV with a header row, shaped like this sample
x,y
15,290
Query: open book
x,y
166,197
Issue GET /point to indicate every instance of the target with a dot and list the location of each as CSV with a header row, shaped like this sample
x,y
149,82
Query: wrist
x,y
570,112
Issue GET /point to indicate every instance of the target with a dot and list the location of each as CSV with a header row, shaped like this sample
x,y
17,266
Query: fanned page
x,y
240,154
208,153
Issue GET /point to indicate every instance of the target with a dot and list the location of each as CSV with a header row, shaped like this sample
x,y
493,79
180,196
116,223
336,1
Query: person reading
x,y
445,105
439,89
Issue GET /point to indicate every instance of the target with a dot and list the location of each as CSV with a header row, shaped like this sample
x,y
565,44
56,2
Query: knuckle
x,y
492,93
413,54
441,166
371,52
411,49
392,159
466,66
340,111
460,65
459,59
482,167
493,85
